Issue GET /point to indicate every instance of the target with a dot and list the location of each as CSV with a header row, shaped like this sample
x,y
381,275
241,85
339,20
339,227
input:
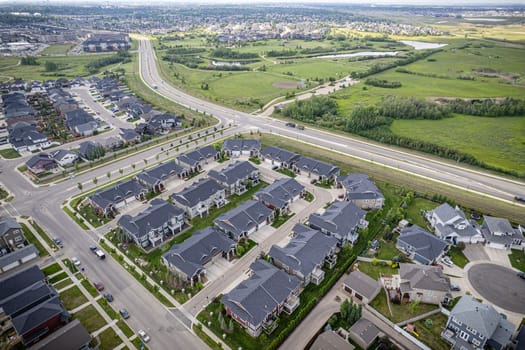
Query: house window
x,y
476,342
463,335
457,321
18,238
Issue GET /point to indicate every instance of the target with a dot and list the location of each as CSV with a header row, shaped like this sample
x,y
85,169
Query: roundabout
x,y
499,285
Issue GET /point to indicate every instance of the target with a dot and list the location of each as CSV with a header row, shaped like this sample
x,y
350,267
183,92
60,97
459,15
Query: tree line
x,y
233,55
121,57
383,83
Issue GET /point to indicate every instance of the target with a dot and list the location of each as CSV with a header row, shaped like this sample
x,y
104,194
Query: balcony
x,y
291,304
270,325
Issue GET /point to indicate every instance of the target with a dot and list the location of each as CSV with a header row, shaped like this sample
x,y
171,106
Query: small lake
x,y
420,45
229,64
360,54
480,19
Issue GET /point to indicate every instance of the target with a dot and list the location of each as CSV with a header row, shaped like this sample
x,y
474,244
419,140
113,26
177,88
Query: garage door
x,y
29,257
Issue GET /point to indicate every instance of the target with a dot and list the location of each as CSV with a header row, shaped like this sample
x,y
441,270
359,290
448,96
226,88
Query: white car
x,y
144,336
75,261
447,261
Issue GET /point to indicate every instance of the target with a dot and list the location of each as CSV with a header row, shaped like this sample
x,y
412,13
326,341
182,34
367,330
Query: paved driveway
x,y
499,285
475,252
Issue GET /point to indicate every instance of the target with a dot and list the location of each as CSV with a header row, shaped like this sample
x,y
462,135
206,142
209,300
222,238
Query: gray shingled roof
x,y
279,154
8,259
20,280
445,212
8,224
330,340
159,213
117,192
197,155
359,186
362,284
280,192
256,297
243,218
191,255
41,160
37,315
424,277
340,218
61,153
424,243
233,172
241,145
199,191
316,166
304,251
72,336
20,301
365,330
160,172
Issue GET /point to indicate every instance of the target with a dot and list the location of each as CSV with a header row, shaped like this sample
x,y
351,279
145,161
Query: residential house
x,y
237,147
322,171
305,254
17,257
236,177
64,157
195,160
499,233
278,156
189,259
23,137
41,163
420,245
330,340
155,178
341,220
361,286
281,194
129,136
90,150
108,201
361,191
154,225
164,123
245,219
72,336
17,109
197,199
450,224
418,283
112,143
257,301
472,325
11,235
364,333
81,122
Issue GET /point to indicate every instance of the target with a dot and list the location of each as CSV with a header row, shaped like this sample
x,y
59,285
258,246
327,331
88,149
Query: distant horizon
x,y
432,3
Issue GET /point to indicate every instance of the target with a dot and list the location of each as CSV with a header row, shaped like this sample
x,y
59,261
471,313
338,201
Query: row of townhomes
x,y
33,315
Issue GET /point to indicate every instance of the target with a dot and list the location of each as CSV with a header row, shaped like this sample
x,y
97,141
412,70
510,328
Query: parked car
x,y
291,125
58,242
521,275
143,335
275,167
520,199
300,127
75,261
446,260
124,313
313,181
99,286
108,297
93,248
455,288
475,216
100,254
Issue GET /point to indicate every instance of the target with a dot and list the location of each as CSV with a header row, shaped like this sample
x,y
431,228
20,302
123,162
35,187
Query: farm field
x,y
499,142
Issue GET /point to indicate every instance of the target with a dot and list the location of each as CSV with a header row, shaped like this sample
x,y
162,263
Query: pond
x,y
420,45
360,54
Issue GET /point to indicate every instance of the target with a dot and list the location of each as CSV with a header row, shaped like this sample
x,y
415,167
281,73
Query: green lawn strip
x,y
70,265
387,250
517,259
79,221
128,332
90,318
414,211
57,49
324,184
109,340
51,269
90,287
431,334
399,312
3,193
255,160
58,277
286,172
32,239
88,213
44,235
22,168
281,219
375,271
457,257
9,153
72,298
138,343
206,338
245,246
63,283
308,197
108,308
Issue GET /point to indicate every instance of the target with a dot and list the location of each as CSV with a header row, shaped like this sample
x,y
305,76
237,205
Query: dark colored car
x,y
291,125
108,297
99,286
93,248
275,167
313,181
123,313
521,275
520,199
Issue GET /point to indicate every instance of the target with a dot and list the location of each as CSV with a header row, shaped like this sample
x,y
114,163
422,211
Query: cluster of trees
x,y
179,50
121,57
234,68
50,66
233,55
383,83
349,313
312,109
188,61
29,61
489,107
281,53
95,153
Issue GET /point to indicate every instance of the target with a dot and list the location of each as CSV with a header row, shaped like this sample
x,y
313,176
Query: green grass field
x,y
90,318
59,49
499,142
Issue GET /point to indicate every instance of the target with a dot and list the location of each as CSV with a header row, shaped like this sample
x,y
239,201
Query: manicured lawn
x,y
109,339
44,235
51,269
90,318
59,49
308,196
89,287
58,277
255,160
206,338
32,239
281,219
107,308
286,171
457,257
137,342
3,193
73,298
246,245
432,335
9,153
517,259
399,312
63,284
90,216
387,250
128,332
79,221
414,211
375,271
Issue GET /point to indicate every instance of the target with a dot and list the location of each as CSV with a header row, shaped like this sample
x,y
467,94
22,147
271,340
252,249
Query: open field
x,y
499,142
59,49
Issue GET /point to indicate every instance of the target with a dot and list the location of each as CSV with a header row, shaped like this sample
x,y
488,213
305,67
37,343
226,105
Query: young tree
x,y
95,181
344,309
79,185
